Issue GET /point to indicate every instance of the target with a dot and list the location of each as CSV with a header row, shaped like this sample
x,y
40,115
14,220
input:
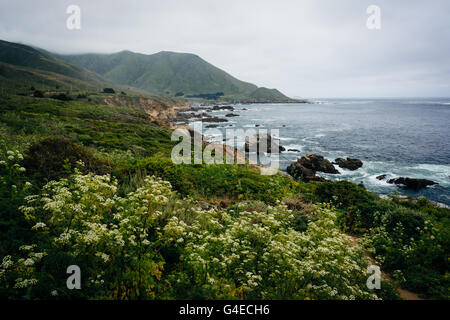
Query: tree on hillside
x,y
109,90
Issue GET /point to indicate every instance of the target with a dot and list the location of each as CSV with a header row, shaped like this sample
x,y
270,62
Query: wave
x,y
285,139
293,146
346,102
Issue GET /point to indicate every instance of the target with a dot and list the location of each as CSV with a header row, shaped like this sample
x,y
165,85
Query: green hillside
x,y
170,73
164,73
264,94
22,65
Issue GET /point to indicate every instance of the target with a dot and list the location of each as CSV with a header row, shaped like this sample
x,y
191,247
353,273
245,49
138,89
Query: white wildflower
x,y
39,225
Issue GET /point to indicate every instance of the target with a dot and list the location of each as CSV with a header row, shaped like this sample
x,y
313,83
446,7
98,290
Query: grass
x,y
27,120
215,183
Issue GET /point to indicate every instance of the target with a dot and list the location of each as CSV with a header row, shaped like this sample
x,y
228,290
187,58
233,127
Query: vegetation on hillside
x,y
92,184
171,73
165,73
268,95
22,65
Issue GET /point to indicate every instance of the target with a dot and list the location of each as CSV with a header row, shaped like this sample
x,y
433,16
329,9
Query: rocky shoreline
x,y
202,113
305,168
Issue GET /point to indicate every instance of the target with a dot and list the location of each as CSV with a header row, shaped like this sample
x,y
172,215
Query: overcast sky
x,y
305,48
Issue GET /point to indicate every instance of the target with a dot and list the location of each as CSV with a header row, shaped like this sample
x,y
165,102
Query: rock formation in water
x,y
299,172
411,183
316,163
305,168
349,163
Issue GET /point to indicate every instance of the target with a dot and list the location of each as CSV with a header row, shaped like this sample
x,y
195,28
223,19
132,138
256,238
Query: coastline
x,y
199,112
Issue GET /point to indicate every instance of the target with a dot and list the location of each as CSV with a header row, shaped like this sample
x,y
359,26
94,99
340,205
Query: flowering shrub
x,y
414,249
123,243
409,239
82,221
258,255
14,186
132,239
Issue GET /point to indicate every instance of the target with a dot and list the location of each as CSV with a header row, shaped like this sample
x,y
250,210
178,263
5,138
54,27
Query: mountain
x,y
22,65
171,73
164,73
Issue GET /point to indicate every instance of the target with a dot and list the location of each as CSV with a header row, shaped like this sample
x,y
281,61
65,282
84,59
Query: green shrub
x,y
107,239
14,186
211,182
147,244
408,238
61,96
132,174
53,158
238,182
109,90
343,193
255,254
413,245
38,94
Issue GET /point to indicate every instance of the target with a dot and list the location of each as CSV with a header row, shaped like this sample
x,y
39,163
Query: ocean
x,y
396,137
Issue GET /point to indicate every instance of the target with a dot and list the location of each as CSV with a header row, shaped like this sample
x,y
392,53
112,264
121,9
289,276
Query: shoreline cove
x,y
320,138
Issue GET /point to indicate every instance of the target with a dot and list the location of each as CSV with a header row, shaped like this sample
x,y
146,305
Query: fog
x,y
316,48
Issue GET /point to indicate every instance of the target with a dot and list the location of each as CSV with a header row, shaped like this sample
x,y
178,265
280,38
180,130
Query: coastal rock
x,y
183,116
316,163
382,177
411,183
299,172
214,119
294,150
258,139
231,115
217,108
210,126
305,168
349,163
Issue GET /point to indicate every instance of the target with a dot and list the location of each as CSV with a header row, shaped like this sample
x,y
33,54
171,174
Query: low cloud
x,y
316,48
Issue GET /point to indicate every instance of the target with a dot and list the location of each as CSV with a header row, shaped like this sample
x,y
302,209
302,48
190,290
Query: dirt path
x,y
408,295
403,293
